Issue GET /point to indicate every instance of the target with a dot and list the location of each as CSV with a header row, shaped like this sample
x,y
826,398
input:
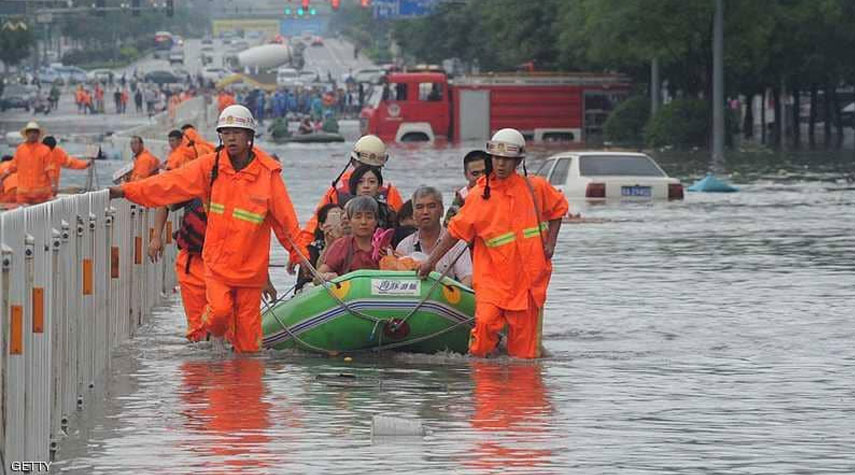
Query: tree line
x,y
798,48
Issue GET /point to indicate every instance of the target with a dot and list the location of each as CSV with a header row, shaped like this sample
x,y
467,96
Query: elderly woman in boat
x,y
356,251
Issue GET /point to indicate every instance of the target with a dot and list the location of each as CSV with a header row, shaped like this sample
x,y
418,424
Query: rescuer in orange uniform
x,y
31,162
145,164
514,223
8,187
243,190
193,145
224,99
59,159
368,150
176,157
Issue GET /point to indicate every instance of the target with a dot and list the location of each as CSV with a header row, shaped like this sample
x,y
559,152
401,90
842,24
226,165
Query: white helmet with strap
x,y
507,143
237,117
370,150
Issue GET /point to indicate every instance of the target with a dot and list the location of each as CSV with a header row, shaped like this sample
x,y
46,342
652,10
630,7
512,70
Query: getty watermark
x,y
28,466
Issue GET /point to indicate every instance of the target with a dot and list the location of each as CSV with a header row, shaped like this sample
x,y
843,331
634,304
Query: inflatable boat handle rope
x,y
326,285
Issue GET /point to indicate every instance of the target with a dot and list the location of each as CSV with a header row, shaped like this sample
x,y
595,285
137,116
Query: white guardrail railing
x,y
75,284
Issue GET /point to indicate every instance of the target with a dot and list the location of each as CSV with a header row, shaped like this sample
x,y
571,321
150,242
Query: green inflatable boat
x,y
371,310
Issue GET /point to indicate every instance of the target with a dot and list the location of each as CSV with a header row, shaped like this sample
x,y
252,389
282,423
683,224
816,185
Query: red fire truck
x,y
428,107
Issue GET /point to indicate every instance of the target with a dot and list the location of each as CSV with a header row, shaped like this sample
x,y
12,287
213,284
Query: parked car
x,y
287,77
369,75
18,96
176,55
214,74
161,77
609,175
100,75
49,75
207,41
71,74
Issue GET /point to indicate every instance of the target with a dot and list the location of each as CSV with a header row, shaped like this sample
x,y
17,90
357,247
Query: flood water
x,y
712,335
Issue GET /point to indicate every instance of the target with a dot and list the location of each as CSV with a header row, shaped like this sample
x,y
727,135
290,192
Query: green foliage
x,y
682,123
15,45
625,125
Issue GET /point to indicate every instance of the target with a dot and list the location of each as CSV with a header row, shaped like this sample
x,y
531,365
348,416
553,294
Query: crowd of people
x,y
498,236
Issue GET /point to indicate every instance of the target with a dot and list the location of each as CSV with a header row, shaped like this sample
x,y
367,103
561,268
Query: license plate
x,y
642,191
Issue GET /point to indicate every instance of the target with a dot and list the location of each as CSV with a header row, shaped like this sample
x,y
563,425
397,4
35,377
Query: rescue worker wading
x,y
243,190
513,223
32,164
368,150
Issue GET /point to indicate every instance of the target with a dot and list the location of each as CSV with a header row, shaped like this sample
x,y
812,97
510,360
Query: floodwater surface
x,y
709,335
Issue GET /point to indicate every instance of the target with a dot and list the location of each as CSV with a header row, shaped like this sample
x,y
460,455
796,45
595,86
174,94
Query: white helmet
x,y
236,116
370,150
507,143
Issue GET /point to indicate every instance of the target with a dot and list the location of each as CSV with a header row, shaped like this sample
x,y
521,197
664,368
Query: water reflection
x,y
512,408
226,414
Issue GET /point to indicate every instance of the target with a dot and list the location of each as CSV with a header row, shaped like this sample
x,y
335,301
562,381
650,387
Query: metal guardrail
x,y
75,284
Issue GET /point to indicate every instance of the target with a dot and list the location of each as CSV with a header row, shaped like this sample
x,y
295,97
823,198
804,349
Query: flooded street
x,y
709,335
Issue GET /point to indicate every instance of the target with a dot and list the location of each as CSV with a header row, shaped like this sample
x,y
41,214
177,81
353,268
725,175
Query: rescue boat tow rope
x,y
326,285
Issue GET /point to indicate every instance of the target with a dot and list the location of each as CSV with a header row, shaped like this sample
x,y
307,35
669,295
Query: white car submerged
x,y
610,175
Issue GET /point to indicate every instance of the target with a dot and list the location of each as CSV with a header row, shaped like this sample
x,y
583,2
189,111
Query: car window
x,y
544,168
606,165
430,91
559,173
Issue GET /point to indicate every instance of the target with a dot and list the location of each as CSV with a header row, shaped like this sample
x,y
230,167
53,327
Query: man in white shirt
x,y
427,212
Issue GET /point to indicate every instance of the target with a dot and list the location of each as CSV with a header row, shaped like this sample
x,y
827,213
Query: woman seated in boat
x,y
356,251
367,181
332,224
306,126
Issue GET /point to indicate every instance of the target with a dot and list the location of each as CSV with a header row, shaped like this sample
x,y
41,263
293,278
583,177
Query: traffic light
x,y
170,8
287,11
313,12
305,4
135,7
365,3
335,4
300,11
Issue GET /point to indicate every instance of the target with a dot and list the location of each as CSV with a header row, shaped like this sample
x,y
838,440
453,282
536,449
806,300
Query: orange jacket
x,y
508,258
176,159
224,100
242,208
194,146
60,159
145,165
9,188
32,161
393,199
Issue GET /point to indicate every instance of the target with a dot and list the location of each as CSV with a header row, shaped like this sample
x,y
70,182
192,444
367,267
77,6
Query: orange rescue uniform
x,y
59,159
393,199
243,206
510,270
145,165
194,146
9,187
190,271
31,162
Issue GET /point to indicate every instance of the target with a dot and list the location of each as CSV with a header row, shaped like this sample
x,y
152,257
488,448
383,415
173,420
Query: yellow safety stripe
x,y
248,216
532,232
216,208
501,240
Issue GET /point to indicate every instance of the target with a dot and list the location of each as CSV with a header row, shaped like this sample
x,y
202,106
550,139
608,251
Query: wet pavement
x,y
710,335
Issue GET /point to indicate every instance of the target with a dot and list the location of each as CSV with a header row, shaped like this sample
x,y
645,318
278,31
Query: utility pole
x,y
655,87
718,89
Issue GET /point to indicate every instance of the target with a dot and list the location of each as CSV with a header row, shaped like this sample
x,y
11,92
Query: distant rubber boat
x,y
314,137
370,310
711,184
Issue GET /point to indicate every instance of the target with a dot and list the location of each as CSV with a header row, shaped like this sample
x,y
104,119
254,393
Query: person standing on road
x,y
145,164
59,159
513,222
246,197
138,100
31,162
